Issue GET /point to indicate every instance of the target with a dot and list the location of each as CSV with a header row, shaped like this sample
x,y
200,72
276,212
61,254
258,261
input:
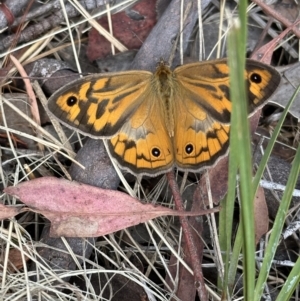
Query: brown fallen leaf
x,y
261,215
131,27
15,262
79,210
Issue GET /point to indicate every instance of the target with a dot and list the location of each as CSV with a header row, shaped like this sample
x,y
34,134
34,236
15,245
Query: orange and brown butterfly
x,y
155,122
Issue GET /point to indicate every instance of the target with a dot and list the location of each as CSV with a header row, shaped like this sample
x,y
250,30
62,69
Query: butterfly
x,y
157,121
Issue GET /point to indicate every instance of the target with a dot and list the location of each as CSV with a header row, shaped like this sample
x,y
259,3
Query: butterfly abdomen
x,y
163,80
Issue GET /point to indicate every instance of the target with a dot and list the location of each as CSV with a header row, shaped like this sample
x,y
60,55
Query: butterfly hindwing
x,y
199,139
143,145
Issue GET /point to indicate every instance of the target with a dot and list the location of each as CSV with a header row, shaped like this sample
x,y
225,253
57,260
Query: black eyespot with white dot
x,y
256,78
71,101
155,152
189,148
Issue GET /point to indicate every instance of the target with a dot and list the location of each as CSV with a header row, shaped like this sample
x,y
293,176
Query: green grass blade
x,y
225,225
277,227
240,140
291,283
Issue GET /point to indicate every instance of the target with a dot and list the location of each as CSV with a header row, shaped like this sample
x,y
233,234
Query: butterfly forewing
x,y
98,105
261,82
206,87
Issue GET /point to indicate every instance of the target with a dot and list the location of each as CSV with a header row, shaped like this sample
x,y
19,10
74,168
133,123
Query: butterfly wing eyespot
x,y
71,101
189,148
255,78
155,152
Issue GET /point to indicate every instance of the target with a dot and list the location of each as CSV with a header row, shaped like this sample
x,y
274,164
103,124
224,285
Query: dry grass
x,y
141,254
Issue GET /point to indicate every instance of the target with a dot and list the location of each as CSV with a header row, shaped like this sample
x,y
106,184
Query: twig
x,y
46,24
276,15
194,254
9,10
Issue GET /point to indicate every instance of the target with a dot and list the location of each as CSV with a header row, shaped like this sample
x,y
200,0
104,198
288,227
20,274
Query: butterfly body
x,y
165,88
155,121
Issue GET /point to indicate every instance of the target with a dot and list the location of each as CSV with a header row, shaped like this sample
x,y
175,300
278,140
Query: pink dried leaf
x,y
8,211
79,210
30,92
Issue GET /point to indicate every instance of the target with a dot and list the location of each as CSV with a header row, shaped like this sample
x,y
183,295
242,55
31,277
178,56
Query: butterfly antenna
x,y
174,47
183,18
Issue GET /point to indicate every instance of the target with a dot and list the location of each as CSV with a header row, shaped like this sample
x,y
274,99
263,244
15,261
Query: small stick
x,y
194,255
